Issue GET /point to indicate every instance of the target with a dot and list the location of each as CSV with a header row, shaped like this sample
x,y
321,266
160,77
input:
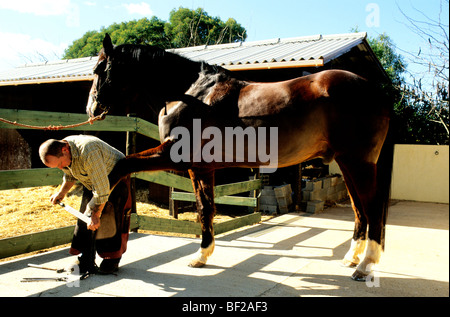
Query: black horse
x,y
332,114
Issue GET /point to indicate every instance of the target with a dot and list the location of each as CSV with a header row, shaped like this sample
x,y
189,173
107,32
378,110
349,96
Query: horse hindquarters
x,y
203,185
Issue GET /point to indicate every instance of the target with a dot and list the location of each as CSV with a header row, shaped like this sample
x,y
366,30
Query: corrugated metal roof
x,y
276,50
314,50
56,71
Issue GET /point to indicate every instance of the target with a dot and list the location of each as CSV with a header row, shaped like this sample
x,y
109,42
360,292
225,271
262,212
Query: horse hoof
x,y
197,263
202,256
359,276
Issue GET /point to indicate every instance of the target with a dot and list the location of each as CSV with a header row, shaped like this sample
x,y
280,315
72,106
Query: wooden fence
x,y
12,179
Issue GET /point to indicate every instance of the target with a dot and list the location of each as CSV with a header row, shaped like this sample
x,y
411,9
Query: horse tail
x,y
384,174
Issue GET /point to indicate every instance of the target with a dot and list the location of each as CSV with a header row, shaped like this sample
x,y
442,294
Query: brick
x,y
333,197
326,183
313,185
331,191
309,186
283,210
306,195
268,208
267,191
283,191
334,180
343,194
264,179
320,194
314,206
284,202
341,186
268,200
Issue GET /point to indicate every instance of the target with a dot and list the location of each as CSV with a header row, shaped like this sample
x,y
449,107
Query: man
x,y
90,160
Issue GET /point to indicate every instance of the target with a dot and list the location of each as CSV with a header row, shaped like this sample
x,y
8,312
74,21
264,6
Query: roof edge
x,y
58,62
52,80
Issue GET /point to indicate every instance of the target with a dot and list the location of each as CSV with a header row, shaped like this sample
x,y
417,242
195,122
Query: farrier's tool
x,y
53,279
47,268
44,279
76,213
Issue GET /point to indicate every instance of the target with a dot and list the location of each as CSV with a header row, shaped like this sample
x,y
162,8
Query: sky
x,y
39,30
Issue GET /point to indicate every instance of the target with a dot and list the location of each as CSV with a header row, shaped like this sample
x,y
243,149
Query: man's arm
x,y
65,187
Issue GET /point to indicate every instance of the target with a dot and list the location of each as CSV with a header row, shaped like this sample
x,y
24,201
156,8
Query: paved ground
x,y
291,255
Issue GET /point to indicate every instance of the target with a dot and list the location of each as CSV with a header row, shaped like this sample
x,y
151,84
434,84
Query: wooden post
x,y
173,204
256,192
298,188
130,149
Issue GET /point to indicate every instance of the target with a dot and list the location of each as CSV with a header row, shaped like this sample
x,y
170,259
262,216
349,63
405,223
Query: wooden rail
x,y
111,123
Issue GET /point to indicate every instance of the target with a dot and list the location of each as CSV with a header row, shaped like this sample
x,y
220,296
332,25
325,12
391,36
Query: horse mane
x,y
134,53
141,54
190,81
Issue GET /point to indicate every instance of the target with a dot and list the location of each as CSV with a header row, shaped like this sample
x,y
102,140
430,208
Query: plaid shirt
x,y
92,161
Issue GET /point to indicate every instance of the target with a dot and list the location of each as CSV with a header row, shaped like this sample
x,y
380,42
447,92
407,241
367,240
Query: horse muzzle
x,y
94,109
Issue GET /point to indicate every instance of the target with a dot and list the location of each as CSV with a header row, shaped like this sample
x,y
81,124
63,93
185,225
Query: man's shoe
x,y
83,267
109,266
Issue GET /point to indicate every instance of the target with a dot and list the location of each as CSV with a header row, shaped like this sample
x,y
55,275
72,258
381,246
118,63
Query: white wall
x,y
420,173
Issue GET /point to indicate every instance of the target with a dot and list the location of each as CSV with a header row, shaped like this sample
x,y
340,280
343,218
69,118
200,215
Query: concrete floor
x,y
288,256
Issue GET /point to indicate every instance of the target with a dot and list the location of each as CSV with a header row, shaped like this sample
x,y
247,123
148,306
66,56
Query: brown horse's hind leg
x,y
358,244
359,240
155,159
360,178
203,184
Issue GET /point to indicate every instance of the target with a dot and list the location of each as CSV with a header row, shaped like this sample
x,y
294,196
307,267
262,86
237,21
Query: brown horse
x,y
220,121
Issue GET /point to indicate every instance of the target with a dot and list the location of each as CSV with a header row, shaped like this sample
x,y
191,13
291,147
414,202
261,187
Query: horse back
x,y
338,87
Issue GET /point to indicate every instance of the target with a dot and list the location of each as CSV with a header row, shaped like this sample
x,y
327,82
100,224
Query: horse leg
x,y
155,159
375,244
359,240
358,244
360,178
203,184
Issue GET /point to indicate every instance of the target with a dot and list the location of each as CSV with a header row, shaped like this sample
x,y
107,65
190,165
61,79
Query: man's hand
x,y
56,198
95,221
65,188
96,213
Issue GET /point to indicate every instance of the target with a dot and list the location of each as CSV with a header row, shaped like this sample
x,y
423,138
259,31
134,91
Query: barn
x,y
63,86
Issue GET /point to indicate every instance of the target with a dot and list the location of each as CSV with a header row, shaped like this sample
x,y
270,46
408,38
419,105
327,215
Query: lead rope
x,y
60,127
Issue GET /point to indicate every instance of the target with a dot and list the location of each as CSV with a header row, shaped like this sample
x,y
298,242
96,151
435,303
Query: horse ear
x,y
107,45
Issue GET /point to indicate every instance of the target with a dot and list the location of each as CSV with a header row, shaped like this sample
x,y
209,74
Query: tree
x,y
393,63
195,27
429,89
185,28
143,31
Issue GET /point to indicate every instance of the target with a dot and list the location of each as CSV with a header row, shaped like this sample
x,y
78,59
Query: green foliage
x,y
184,28
393,63
424,116
195,27
143,31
